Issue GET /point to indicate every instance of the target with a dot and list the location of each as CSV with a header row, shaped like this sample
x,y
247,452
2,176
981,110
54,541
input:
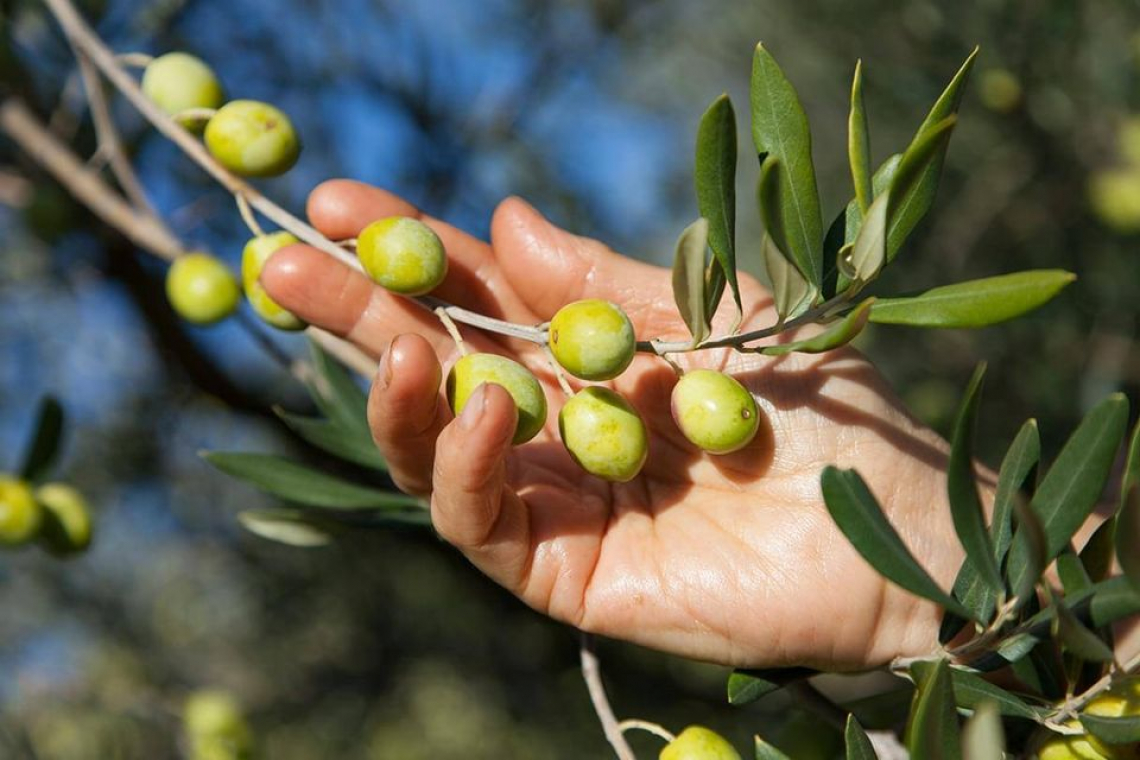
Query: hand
x,y
731,559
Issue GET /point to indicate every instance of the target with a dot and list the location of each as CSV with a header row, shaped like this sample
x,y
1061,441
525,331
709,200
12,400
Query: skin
x,y
67,520
731,559
201,289
177,82
714,411
699,743
253,257
253,139
20,515
604,434
402,255
471,372
592,339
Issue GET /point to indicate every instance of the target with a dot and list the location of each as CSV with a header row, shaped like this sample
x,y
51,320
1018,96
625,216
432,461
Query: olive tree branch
x,y
592,673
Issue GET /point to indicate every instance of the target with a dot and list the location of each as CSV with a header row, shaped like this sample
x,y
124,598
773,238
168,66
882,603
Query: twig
x,y
633,724
452,330
247,216
592,674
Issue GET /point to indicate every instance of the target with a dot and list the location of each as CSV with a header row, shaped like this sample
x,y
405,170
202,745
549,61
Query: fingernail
x,y
473,410
384,372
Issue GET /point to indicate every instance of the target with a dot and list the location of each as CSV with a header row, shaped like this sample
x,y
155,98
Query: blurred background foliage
x,y
390,646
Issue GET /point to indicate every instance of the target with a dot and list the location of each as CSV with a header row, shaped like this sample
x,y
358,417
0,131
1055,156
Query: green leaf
x,y
983,737
745,686
868,252
859,143
1127,537
328,436
304,485
965,504
765,751
1017,468
839,334
1109,601
862,521
1077,638
853,215
337,395
1024,570
1070,489
790,291
1123,730
932,733
971,691
689,279
1097,554
780,129
285,526
915,204
40,454
858,746
715,175
975,303
1131,464
1071,571
911,190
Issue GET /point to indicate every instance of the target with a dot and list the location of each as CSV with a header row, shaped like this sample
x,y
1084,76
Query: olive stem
x,y
557,369
134,60
247,215
452,330
592,674
194,114
633,724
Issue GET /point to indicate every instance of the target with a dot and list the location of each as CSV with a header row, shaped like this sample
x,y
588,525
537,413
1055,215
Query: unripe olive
x,y
1122,700
66,525
402,255
253,257
699,743
714,411
201,288
177,82
216,727
604,434
1000,90
1074,747
1115,197
592,339
20,515
253,139
473,370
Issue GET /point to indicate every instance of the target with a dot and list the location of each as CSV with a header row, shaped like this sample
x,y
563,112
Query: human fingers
x,y
405,412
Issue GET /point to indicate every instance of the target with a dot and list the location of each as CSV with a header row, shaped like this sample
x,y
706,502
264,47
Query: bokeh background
x,y
389,645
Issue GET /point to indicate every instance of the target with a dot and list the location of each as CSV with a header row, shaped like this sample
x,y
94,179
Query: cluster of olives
x,y
215,727
54,515
1122,700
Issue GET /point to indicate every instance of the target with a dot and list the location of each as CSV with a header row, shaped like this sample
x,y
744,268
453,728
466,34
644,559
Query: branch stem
x,y
592,673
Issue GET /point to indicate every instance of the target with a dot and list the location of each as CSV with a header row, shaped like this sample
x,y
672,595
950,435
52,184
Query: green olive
x,y
592,339
1115,198
714,411
253,257
604,434
201,288
402,255
699,743
20,514
177,82
216,727
1000,90
66,525
473,370
253,139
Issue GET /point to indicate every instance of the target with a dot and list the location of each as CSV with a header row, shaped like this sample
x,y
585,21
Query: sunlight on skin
x,y
731,559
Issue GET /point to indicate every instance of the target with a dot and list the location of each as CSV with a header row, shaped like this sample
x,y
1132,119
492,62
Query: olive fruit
x,y
402,255
177,82
201,288
473,370
253,139
253,257
1074,747
20,514
592,339
604,434
714,411
699,743
216,727
66,527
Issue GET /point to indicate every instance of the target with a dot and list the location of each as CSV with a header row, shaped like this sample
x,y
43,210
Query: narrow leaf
x,y
839,334
915,182
780,129
304,485
965,504
859,143
1122,730
971,691
975,303
790,291
689,278
1127,537
862,521
1071,571
868,252
746,686
337,395
1024,570
715,175
285,526
1097,554
765,751
1077,638
1070,489
853,215
1131,464
42,448
933,732
1017,467
858,746
328,436
983,737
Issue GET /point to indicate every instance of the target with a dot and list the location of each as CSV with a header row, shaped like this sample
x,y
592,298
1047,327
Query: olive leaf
x,y
1076,637
337,395
780,130
915,167
839,334
868,252
852,215
1127,538
859,143
790,291
856,744
715,176
746,686
285,526
971,691
766,751
689,279
334,439
1025,570
1121,730
983,737
932,732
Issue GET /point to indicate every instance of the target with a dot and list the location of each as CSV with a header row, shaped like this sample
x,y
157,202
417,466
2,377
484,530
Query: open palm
x,y
732,559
